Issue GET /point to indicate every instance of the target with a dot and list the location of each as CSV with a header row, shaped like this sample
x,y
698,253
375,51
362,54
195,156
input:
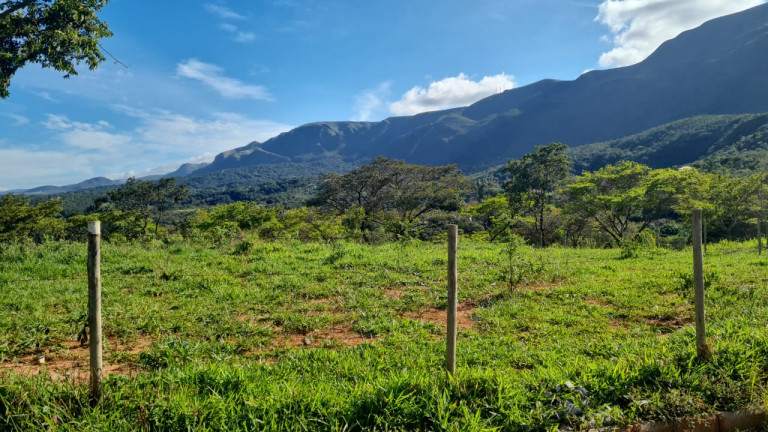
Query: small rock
x,y
569,385
572,409
306,341
41,359
582,392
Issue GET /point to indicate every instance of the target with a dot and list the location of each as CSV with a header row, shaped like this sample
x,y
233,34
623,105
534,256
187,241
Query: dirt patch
x,y
670,323
74,363
464,316
394,293
337,336
595,302
322,300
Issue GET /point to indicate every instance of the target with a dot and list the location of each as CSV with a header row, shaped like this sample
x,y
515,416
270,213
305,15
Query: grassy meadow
x,y
255,335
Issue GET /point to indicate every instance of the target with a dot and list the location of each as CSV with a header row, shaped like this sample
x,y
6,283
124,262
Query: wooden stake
x,y
759,238
94,308
702,349
450,352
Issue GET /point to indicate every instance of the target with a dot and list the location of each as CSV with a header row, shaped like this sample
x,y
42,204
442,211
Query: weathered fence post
x,y
702,349
94,308
759,238
450,352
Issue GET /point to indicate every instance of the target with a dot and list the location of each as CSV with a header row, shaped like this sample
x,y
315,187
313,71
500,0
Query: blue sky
x,y
211,75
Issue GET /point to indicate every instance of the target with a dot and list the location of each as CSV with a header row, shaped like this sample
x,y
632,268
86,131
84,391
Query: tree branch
x,y
18,6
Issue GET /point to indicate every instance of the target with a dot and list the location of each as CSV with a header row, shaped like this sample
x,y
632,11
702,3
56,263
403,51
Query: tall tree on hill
x,y
534,179
54,33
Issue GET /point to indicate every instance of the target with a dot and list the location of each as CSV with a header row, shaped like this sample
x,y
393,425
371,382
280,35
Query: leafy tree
x,y
364,188
19,219
391,194
141,201
494,216
57,34
534,179
734,201
727,202
622,199
245,215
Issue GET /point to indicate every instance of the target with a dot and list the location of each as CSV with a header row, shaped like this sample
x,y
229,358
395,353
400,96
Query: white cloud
x,y
211,75
30,168
20,120
159,138
167,133
371,103
450,92
47,96
170,132
238,36
223,12
245,37
94,140
87,136
227,27
638,27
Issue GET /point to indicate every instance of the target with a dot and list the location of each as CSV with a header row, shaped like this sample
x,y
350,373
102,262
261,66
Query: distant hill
x,y
736,144
99,182
245,177
87,184
720,67
183,171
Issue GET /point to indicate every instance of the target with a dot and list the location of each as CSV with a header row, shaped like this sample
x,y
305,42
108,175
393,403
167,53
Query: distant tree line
x,y
535,197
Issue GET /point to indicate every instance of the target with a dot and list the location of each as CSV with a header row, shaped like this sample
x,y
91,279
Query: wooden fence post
x,y
702,349
450,352
759,238
94,308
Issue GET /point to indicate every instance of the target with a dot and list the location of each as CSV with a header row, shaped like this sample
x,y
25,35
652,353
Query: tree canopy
x,y
392,194
140,201
616,195
58,34
19,219
534,178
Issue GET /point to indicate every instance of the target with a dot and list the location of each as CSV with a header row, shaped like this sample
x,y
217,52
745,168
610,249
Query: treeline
x,y
536,198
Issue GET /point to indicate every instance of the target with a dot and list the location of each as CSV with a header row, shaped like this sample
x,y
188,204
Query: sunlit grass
x,y
296,336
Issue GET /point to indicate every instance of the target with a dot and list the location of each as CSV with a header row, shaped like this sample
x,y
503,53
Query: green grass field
x,y
294,336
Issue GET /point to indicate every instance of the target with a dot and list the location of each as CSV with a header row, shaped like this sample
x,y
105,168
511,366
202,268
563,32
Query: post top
x,y
94,227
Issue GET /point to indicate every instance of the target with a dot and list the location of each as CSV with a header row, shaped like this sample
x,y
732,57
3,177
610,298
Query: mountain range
x,y
720,67
717,69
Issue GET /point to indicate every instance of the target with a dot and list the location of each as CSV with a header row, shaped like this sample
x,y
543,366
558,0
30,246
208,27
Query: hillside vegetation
x,y
732,144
